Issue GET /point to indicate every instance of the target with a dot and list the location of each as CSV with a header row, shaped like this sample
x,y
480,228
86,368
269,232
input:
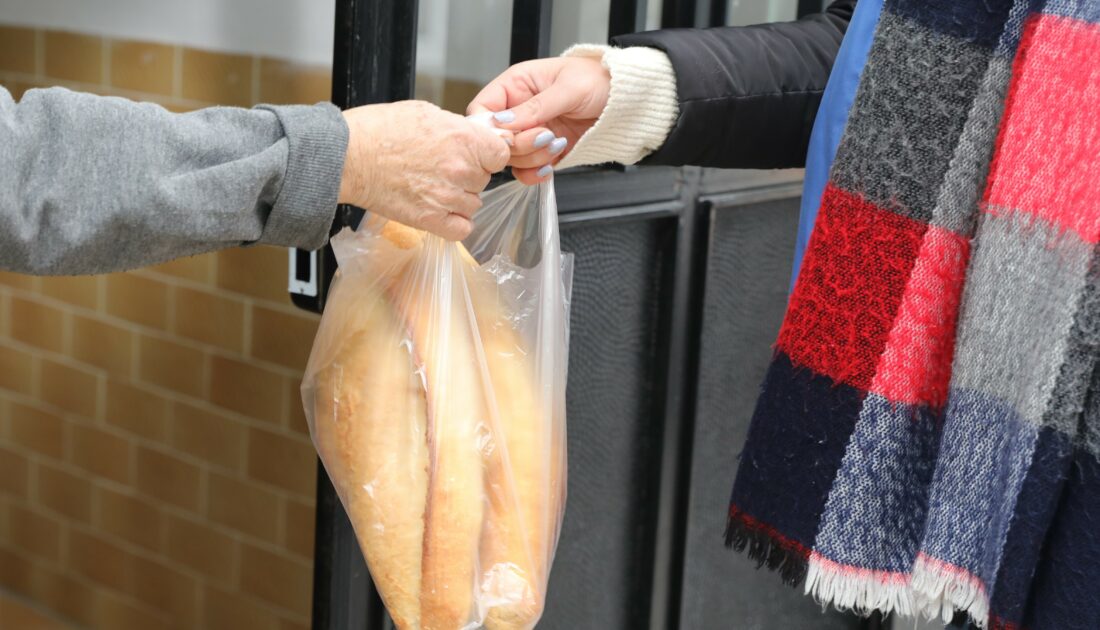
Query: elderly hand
x,y
550,104
419,165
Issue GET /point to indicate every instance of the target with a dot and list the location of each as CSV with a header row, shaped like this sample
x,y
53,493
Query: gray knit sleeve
x,y
92,184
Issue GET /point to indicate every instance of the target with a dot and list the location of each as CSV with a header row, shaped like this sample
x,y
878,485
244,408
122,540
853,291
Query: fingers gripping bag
x,y
435,395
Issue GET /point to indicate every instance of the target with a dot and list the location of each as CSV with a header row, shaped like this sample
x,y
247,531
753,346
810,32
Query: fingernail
x,y
558,145
544,171
505,116
543,139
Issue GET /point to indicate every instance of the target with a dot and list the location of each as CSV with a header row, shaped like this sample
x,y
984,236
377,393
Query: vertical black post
x,y
682,323
374,61
530,29
806,7
375,51
719,12
685,14
626,16
343,595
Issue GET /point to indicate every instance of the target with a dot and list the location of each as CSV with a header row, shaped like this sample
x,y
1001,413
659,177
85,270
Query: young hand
x,y
549,104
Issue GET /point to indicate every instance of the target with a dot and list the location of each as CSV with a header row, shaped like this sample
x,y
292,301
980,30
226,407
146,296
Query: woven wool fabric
x,y
927,438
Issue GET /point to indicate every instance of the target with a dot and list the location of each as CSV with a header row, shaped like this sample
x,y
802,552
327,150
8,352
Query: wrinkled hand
x,y
419,165
549,104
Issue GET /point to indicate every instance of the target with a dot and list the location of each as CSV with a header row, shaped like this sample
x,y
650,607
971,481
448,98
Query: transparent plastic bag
x,y
435,395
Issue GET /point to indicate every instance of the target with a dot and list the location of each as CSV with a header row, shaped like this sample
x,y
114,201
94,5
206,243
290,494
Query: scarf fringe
x,y
862,591
942,590
934,590
766,547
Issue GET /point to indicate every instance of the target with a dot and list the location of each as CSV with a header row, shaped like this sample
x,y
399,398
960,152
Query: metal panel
x,y
682,302
593,188
601,574
748,263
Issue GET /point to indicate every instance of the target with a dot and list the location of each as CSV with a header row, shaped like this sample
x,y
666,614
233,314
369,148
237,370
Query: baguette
x,y
441,330
455,498
522,478
370,431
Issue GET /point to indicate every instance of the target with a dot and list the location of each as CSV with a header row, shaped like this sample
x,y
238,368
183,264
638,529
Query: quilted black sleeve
x,y
748,95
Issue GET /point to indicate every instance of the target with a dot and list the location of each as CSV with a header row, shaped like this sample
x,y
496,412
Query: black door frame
x,y
374,61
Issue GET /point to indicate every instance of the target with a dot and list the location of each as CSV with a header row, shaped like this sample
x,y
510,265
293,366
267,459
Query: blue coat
x,y
832,115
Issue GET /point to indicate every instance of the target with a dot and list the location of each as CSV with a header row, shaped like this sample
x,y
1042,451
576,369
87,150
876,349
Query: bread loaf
x,y
370,430
522,516
441,328
430,422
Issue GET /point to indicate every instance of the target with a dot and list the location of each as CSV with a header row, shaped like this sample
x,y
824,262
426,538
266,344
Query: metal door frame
x,y
374,61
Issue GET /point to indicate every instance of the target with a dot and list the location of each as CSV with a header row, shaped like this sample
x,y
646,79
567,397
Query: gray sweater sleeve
x,y
92,184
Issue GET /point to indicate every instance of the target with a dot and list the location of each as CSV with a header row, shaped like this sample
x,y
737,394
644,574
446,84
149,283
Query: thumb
x,y
557,100
493,150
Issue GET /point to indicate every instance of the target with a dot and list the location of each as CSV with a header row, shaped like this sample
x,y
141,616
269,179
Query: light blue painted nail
x,y
558,145
544,171
543,139
505,116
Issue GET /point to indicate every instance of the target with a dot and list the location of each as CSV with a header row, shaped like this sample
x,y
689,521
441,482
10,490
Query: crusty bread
x,y
440,449
511,554
369,428
522,517
442,336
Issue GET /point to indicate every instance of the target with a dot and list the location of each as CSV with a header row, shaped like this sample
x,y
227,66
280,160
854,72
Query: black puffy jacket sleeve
x,y
748,94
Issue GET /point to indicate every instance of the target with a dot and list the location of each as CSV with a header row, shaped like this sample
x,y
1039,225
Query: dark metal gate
x,y
680,283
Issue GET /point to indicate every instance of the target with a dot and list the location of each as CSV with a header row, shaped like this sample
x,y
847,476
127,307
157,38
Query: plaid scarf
x,y
927,439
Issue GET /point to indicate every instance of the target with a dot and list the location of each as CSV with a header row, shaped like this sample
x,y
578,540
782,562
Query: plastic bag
x,y
435,395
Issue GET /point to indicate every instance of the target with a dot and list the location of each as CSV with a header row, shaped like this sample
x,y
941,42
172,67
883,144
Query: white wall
x,y
460,39
578,22
300,30
466,40
743,12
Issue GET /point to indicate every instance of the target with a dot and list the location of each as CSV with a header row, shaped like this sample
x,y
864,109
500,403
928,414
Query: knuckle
x,y
461,207
451,170
452,199
534,106
470,136
461,138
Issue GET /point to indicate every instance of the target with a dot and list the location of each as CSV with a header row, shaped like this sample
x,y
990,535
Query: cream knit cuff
x,y
642,106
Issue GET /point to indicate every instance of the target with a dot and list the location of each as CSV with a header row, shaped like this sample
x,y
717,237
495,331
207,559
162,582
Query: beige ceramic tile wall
x,y
155,466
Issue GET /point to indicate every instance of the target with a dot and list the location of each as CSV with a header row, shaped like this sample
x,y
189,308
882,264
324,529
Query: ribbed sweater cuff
x,y
317,139
642,106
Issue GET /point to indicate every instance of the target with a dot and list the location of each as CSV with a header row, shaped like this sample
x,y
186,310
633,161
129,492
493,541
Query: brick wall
x,y
155,465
